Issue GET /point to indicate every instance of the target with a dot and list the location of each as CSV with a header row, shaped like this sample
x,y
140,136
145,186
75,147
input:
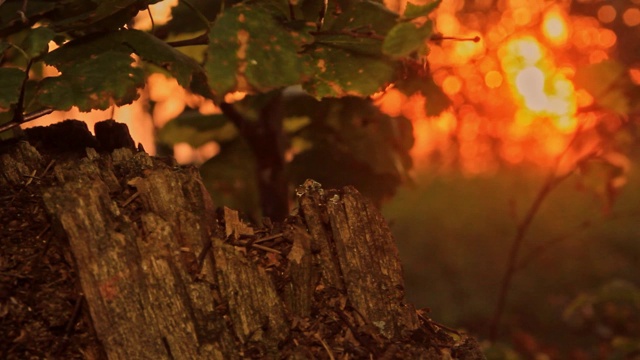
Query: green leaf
x,y
231,180
10,19
95,82
250,51
184,20
413,11
86,17
10,84
406,38
339,72
197,129
187,72
37,41
366,15
364,46
609,84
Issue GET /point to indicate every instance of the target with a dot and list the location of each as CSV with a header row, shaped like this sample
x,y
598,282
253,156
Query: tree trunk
x,y
165,276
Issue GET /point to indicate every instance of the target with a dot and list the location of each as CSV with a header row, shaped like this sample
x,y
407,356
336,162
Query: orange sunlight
x,y
513,98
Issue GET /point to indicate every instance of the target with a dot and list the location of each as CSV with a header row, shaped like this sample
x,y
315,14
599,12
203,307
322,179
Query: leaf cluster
x,y
350,48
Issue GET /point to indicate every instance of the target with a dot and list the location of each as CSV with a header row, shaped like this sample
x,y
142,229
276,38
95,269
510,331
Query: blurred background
x,y
543,108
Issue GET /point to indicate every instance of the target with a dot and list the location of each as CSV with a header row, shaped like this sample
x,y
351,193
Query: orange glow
x,y
607,14
554,27
451,85
635,75
493,79
513,97
537,84
631,17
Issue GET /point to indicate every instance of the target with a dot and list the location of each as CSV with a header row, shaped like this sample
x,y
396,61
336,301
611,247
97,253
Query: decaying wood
x,y
165,277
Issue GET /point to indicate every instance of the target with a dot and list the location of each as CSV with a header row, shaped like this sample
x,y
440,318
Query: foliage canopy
x,y
348,49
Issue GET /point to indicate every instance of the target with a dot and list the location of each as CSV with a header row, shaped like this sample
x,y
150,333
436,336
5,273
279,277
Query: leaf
x,y
349,141
405,38
3,47
197,129
339,72
10,19
603,177
251,51
367,15
413,11
609,84
293,124
362,46
86,17
37,41
231,180
187,72
184,20
95,82
10,85
417,80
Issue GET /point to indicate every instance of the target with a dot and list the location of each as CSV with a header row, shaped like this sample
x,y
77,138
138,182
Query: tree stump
x,y
164,275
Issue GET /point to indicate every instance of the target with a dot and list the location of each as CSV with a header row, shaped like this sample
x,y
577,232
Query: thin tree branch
x,y
553,179
28,117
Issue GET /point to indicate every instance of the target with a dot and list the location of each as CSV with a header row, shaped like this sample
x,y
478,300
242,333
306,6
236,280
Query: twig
x,y
46,170
267,238
130,199
26,118
267,249
30,178
21,277
325,346
70,325
203,254
549,184
153,23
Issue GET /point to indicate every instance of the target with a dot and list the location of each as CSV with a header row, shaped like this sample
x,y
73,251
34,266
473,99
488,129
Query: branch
x,y
549,184
26,118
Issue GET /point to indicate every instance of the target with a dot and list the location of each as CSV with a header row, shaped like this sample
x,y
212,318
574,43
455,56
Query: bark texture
x,y
166,276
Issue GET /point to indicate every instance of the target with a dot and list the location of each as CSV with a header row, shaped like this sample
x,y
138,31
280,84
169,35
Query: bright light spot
x,y
583,98
493,79
598,56
607,14
451,85
554,27
183,153
528,49
161,12
391,102
447,24
522,16
631,17
635,75
607,38
530,84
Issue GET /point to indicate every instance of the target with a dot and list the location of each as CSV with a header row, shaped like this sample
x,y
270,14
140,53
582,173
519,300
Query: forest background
x,y
531,141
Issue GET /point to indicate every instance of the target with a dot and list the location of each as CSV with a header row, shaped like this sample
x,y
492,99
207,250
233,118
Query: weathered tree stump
x,y
166,276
